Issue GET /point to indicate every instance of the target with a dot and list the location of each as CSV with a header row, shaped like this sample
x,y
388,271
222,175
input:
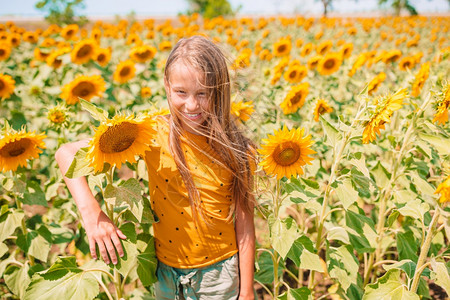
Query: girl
x,y
200,181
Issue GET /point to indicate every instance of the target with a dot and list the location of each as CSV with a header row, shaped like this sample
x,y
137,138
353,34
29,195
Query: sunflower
x,y
346,50
374,83
443,105
295,73
102,56
420,79
85,87
407,63
265,55
30,37
58,116
242,110
295,98
5,50
307,49
391,56
324,47
120,139
69,31
282,47
384,108
329,64
286,152
17,147
165,46
54,59
359,62
321,107
146,92
142,53
314,61
444,190
7,85
84,51
124,71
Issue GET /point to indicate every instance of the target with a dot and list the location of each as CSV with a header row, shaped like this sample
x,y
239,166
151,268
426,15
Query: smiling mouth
x,y
193,116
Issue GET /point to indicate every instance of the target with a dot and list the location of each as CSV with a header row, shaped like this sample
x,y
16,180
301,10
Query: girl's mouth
x,y
193,116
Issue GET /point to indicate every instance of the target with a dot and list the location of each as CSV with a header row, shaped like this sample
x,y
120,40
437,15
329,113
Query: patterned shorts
x,y
219,281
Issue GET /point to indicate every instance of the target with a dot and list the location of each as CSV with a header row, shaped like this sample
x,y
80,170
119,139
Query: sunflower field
x,y
351,117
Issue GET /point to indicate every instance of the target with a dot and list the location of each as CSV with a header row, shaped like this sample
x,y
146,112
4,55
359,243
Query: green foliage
x,y
399,5
62,12
211,8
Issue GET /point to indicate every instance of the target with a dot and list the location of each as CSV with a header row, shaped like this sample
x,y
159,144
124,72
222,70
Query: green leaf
x,y
130,231
73,286
296,250
129,260
332,134
346,193
296,294
356,221
389,287
343,266
392,218
265,267
147,264
80,165
422,185
311,183
441,275
407,246
96,112
17,279
9,225
33,194
415,209
129,192
381,175
3,249
283,233
441,144
360,164
61,267
310,261
361,182
34,244
406,265
360,243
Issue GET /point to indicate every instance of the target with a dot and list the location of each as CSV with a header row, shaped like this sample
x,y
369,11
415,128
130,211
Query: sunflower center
x,y
101,57
83,89
293,74
144,55
118,138
125,71
286,154
329,64
2,52
84,51
2,84
282,48
296,99
15,148
321,110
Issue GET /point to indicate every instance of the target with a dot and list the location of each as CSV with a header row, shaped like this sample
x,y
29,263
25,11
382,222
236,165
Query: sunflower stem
x,y
24,229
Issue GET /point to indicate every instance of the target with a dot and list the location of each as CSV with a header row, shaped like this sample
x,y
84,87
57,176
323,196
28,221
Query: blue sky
x,y
172,7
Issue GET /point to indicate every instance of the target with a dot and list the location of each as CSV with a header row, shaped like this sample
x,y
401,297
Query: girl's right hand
x,y
101,231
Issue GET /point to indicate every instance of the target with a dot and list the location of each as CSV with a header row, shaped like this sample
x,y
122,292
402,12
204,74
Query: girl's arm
x,y
245,235
99,228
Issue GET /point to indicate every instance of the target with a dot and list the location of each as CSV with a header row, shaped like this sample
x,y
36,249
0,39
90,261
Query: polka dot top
x,y
181,242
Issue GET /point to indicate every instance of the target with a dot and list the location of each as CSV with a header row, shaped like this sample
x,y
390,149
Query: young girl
x,y
200,182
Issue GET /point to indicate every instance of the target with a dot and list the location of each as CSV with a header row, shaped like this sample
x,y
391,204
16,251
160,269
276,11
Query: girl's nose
x,y
191,103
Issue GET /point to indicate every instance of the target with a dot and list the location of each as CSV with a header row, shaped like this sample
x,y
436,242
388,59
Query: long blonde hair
x,y
220,128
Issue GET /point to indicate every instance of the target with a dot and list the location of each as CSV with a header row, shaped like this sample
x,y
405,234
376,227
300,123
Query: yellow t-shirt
x,y
178,241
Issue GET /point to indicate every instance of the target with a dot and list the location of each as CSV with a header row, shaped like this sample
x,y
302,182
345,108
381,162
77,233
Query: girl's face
x,y
187,96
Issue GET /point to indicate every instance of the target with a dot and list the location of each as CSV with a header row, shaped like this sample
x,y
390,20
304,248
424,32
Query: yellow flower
x,y
375,83
443,105
321,107
384,108
329,64
5,50
119,140
69,31
314,61
165,46
18,147
85,87
7,86
407,62
282,47
295,73
307,49
444,190
58,116
146,92
391,56
124,71
242,110
265,55
323,47
420,79
102,56
346,50
359,62
142,53
84,51
54,59
40,55
286,152
295,98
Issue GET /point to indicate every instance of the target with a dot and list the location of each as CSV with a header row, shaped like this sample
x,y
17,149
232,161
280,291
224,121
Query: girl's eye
x,y
180,92
202,94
